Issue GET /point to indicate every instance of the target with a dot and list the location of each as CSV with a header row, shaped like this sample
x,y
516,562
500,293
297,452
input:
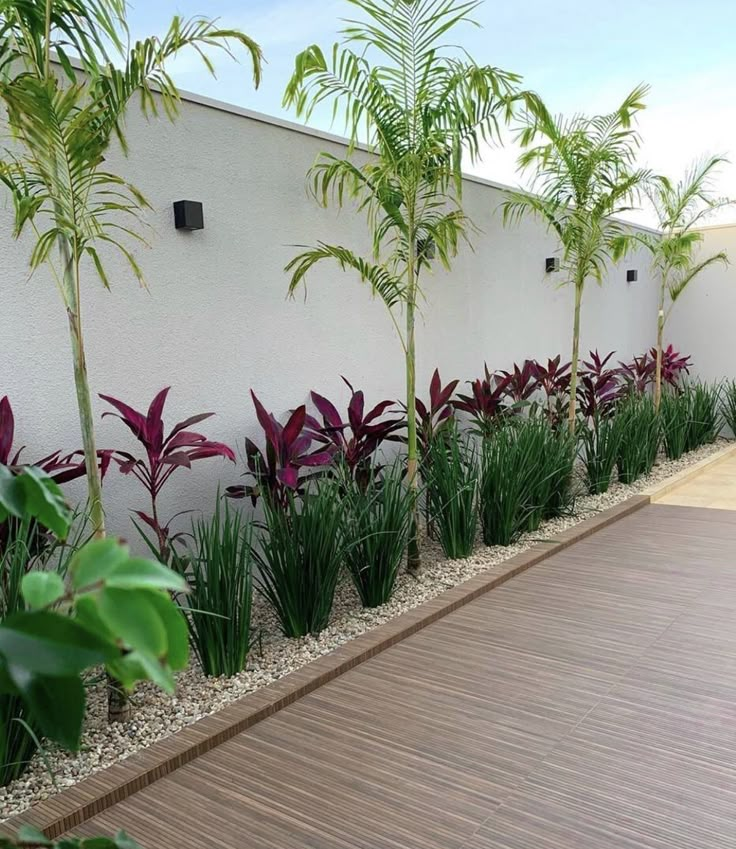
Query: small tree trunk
x,y
575,355
413,554
660,342
118,706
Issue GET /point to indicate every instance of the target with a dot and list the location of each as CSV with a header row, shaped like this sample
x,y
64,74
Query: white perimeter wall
x,y
215,321
703,321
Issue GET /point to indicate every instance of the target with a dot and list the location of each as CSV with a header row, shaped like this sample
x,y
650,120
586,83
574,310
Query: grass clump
x,y
300,557
376,524
218,605
452,492
640,437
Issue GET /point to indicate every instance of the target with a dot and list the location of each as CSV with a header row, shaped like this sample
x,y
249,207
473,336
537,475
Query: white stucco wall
x,y
702,322
215,321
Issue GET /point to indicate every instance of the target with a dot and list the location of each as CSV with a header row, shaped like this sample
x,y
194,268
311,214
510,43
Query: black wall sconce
x,y
188,215
632,275
552,263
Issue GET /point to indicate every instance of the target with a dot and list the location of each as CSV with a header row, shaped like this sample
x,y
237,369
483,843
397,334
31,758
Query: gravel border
x,y
157,716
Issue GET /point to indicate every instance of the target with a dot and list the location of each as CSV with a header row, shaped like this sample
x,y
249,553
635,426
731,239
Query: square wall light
x,y
188,215
552,263
632,275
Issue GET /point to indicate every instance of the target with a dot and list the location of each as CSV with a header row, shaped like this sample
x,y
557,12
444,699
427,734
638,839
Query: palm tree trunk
x,y
660,342
118,705
579,284
413,555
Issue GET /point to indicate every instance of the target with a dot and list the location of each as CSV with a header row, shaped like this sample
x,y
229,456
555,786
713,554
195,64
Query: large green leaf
x,y
93,563
41,589
133,618
137,573
12,497
45,501
56,703
177,631
46,643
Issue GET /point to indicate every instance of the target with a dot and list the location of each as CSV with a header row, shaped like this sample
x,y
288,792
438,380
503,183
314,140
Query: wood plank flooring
x,y
589,703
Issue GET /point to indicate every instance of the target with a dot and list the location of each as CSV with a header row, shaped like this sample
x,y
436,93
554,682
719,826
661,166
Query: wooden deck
x,y
589,703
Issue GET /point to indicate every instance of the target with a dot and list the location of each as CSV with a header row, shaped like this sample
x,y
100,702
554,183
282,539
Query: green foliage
x,y
583,174
452,492
113,610
422,107
705,413
728,404
62,123
600,440
218,605
640,437
561,453
522,470
30,838
376,524
300,557
674,413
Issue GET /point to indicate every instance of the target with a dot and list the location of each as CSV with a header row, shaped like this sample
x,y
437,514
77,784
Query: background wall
x,y
215,321
702,323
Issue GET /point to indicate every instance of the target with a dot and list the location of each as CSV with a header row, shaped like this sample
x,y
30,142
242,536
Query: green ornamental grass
x,y
300,557
452,492
376,524
218,605
640,437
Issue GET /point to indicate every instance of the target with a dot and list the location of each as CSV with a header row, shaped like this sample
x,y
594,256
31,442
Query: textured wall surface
x,y
215,321
702,322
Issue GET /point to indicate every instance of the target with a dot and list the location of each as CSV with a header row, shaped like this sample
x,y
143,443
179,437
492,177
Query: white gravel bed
x,y
156,715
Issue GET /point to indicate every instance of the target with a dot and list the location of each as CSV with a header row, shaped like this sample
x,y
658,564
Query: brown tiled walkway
x,y
588,704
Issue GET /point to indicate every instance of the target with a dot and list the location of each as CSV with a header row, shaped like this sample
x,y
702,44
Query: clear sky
x,y
580,55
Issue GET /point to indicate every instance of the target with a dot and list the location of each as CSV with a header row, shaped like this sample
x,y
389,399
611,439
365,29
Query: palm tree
x,y
63,120
419,108
583,174
62,124
680,208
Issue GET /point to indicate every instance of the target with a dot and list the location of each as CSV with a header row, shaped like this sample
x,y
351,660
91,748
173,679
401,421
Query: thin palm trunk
x,y
575,355
413,553
118,704
660,343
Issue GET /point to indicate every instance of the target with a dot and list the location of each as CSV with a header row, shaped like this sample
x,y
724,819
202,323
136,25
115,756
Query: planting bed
x,y
157,716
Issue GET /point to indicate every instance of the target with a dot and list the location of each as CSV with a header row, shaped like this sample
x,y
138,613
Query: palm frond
x,y
383,283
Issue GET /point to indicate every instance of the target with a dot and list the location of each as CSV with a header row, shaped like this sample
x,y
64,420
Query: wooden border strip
x,y
70,808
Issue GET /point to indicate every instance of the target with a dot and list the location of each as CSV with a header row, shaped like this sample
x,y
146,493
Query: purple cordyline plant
x,y
554,381
438,414
522,382
163,456
600,386
674,365
355,440
487,403
62,468
289,448
638,375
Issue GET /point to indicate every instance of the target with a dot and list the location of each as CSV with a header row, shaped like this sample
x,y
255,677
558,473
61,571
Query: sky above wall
x,y
579,55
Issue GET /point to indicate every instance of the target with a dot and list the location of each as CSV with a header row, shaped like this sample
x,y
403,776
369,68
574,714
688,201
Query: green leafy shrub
x,y
452,492
705,414
218,604
728,404
640,437
674,413
522,470
377,522
562,467
18,731
600,439
300,557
